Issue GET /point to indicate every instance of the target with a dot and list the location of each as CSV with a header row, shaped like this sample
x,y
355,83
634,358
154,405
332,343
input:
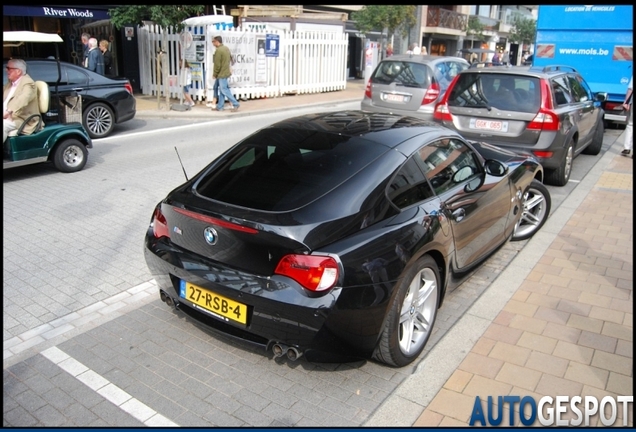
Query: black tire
x,y
597,142
99,120
70,156
411,317
536,204
561,175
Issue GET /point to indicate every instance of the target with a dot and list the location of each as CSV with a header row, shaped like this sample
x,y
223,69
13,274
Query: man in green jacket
x,y
221,72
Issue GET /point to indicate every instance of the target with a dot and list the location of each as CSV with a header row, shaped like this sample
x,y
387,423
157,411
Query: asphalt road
x,y
78,298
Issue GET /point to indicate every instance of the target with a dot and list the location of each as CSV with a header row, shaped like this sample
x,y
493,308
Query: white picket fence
x,y
308,62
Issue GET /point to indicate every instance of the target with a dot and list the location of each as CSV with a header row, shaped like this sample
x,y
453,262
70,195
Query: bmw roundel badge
x,y
211,236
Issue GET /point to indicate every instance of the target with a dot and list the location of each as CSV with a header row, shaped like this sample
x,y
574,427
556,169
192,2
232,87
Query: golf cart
x,y
64,142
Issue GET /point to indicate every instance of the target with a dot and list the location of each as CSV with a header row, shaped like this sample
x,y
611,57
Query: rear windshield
x,y
282,169
402,73
501,91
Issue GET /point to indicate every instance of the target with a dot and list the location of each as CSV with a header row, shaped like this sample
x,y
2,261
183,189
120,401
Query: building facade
x,y
441,29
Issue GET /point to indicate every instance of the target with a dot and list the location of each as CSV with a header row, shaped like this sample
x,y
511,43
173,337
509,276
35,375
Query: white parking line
x,y
106,389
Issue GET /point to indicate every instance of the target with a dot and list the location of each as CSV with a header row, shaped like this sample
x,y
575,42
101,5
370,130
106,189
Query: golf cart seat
x,y
44,99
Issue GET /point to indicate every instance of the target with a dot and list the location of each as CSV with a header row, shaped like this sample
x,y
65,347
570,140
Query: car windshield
x,y
501,91
402,73
280,169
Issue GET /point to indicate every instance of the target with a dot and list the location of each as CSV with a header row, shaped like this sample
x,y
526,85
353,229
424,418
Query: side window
x,y
42,72
75,76
561,91
409,186
580,93
405,73
447,163
455,68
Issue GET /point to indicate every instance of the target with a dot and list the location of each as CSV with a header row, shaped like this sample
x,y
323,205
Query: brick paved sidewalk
x,y
568,329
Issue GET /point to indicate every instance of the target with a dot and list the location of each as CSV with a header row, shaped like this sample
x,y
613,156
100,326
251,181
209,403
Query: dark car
x,y
549,111
410,84
105,101
336,235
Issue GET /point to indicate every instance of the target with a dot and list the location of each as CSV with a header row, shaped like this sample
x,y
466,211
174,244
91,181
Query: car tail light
x,y
128,87
367,91
613,106
431,94
313,272
441,111
543,154
546,118
159,224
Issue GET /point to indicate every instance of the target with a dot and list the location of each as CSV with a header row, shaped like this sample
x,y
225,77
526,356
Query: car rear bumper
x,y
278,311
616,117
126,109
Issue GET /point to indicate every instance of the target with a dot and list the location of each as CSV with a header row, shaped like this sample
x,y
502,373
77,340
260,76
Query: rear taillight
x,y
613,106
159,224
315,273
441,111
367,91
128,87
431,94
543,154
546,118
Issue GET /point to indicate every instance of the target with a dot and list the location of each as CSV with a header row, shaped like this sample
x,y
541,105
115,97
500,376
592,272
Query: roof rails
x,y
552,68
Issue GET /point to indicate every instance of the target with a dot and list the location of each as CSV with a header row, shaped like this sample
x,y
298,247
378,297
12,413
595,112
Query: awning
x,y
209,19
16,38
55,12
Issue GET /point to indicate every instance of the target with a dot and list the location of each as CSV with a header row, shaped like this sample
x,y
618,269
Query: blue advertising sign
x,y
272,44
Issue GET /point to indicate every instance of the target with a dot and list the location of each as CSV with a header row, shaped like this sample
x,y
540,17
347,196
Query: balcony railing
x,y
445,18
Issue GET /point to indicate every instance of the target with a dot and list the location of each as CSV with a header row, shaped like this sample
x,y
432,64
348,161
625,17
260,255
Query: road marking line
x,y
106,389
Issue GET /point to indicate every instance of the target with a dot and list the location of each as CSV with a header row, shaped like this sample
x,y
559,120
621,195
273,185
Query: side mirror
x,y
495,168
600,96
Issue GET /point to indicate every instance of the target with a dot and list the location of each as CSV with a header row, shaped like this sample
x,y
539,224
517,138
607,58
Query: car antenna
x,y
182,167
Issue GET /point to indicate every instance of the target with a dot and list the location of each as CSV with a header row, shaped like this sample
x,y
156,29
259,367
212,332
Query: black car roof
x,y
363,124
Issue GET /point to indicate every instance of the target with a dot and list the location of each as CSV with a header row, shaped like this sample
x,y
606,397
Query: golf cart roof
x,y
17,38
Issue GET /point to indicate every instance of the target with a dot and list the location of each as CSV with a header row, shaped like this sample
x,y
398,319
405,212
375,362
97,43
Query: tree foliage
x,y
523,30
475,28
390,17
165,16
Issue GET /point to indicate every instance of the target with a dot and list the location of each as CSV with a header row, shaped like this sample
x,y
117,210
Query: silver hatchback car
x,y
410,84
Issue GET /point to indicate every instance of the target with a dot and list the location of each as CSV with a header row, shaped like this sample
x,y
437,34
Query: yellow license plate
x,y
218,305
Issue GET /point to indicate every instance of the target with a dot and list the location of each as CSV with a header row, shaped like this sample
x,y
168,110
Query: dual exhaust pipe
x,y
166,298
280,350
